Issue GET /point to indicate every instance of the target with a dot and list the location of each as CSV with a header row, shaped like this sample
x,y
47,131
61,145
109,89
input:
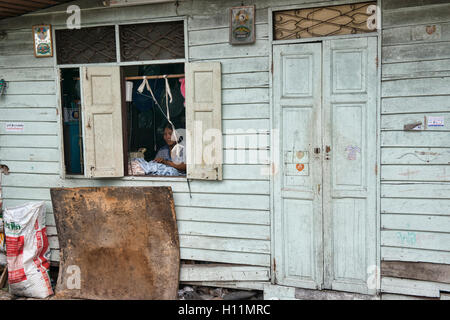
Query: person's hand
x,y
159,160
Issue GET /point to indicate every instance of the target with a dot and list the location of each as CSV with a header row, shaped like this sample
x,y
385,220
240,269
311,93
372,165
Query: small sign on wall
x,y
14,126
242,25
435,121
43,46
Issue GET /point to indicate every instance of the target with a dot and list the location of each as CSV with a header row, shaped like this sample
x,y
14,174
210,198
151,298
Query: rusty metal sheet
x,y
122,242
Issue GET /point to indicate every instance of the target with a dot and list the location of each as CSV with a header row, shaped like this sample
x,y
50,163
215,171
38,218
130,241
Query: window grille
x,y
152,41
325,21
86,45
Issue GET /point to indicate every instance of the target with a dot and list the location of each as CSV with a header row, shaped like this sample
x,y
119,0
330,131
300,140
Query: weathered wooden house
x,y
334,132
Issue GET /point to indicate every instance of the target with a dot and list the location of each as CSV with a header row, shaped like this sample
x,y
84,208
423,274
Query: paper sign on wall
x,y
14,126
435,121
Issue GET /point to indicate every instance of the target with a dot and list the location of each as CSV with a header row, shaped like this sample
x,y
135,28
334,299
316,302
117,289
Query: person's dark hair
x,y
169,126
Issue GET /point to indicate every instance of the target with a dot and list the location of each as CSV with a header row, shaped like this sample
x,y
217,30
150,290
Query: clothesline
x,y
169,76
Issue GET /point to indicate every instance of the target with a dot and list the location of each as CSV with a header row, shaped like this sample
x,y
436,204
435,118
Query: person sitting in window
x,y
171,154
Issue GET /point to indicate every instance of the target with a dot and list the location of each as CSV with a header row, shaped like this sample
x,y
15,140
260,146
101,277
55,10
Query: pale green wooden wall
x,y
415,187
230,221
224,221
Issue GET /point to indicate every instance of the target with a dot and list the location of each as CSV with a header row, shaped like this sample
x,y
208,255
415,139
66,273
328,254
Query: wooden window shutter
x,y
204,120
102,122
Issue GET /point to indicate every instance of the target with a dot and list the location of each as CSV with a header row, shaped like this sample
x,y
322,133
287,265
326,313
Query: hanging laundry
x,y
176,102
143,100
183,89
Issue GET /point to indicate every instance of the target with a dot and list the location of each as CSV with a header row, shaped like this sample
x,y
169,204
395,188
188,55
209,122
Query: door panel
x,y
349,106
325,98
297,205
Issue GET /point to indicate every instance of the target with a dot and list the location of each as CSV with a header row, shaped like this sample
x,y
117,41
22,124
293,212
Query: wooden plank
x,y
416,240
27,154
415,52
24,61
389,5
253,259
416,69
415,104
28,101
224,244
416,270
257,217
416,87
416,206
32,167
415,15
224,50
414,255
16,47
26,193
246,172
213,272
236,156
390,296
29,114
417,33
415,173
418,156
242,138
232,201
245,80
416,190
243,64
244,95
245,111
30,87
246,125
412,287
28,74
426,139
31,180
31,128
225,230
398,121
415,223
33,141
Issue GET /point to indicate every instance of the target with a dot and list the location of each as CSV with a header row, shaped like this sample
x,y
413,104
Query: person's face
x,y
168,136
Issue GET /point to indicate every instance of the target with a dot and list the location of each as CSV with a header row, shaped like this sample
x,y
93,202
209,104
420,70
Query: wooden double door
x,y
325,105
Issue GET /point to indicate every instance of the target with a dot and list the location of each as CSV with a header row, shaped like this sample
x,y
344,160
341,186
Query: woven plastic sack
x,y
27,250
2,243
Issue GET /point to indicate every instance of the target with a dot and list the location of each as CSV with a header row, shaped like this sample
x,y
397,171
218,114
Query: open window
x,y
126,112
155,130
72,124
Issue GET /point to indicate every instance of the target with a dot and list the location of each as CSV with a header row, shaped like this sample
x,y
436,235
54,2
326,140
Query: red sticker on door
x,y
300,166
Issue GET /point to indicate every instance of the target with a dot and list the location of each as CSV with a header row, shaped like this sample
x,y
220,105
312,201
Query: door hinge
x,y
376,61
376,169
318,188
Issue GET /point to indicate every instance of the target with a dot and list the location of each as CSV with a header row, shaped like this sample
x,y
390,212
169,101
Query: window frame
x,y
119,63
